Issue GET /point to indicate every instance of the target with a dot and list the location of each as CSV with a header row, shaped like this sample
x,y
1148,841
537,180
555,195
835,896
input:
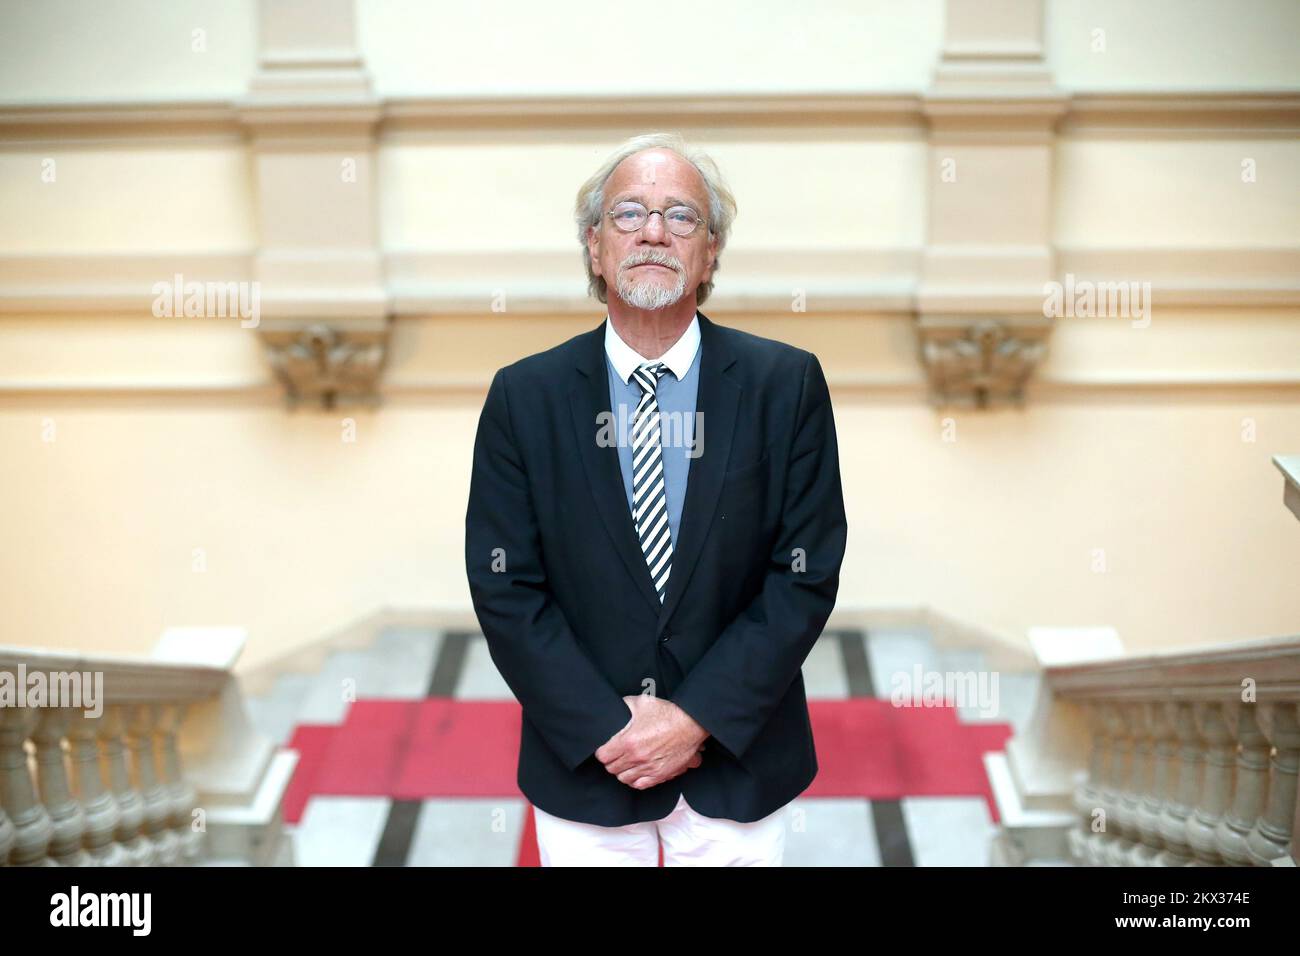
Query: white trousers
x,y
689,839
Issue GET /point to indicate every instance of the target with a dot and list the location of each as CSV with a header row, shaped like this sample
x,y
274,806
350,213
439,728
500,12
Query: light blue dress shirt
x,y
676,393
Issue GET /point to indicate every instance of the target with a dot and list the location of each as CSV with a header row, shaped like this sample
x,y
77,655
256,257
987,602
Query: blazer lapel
x,y
717,400
589,402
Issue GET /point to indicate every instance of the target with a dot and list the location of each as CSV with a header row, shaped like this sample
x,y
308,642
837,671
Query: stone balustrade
x,y
1181,758
1193,756
137,761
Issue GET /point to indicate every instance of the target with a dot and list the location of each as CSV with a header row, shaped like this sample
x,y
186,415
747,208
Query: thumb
x,y
631,716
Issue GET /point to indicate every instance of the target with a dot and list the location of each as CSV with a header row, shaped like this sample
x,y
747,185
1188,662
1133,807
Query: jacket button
x,y
664,639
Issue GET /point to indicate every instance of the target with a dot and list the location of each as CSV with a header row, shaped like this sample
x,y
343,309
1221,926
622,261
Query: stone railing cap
x,y
1289,465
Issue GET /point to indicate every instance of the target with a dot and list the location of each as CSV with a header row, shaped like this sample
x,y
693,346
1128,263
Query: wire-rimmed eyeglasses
x,y
630,216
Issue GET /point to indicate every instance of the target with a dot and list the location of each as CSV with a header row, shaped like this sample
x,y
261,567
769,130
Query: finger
x,y
632,774
619,763
612,749
626,759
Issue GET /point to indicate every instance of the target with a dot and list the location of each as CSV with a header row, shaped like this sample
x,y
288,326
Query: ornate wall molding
x,y
327,365
980,362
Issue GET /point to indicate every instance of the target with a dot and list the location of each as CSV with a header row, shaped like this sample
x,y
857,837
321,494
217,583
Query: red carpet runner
x,y
420,749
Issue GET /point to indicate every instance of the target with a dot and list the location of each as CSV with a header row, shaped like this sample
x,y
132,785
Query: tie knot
x,y
648,375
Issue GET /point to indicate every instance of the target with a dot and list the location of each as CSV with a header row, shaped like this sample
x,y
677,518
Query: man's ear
x,y
713,257
593,248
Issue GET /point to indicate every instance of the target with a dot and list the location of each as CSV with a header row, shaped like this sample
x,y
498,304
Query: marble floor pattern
x,y
409,667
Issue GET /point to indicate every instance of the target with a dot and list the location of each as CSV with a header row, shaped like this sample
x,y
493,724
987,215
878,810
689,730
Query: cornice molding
x,y
265,392
861,280
740,110
108,124
109,282
1083,113
1121,114
1264,276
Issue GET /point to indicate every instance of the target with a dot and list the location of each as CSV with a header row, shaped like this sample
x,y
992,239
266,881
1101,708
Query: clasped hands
x,y
660,742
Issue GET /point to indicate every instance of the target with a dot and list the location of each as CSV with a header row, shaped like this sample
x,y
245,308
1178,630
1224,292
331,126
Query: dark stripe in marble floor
x,y
399,829
886,815
450,664
857,667
891,833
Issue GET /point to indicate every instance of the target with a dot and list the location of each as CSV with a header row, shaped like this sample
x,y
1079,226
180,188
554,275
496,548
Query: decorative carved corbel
x,y
979,361
327,364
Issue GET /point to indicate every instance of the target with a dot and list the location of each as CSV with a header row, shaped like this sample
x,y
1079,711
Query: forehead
x,y
656,171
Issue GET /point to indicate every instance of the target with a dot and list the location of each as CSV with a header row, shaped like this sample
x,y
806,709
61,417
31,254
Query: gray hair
x,y
591,201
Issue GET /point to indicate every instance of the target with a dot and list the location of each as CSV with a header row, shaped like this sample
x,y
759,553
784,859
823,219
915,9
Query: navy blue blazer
x,y
566,602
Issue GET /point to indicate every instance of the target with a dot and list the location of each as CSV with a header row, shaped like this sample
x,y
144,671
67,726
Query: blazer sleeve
x,y
735,687
572,704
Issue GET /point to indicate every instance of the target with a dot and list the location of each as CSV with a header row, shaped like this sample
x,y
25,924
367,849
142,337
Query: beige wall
x,y
83,50
452,48
995,519
1132,489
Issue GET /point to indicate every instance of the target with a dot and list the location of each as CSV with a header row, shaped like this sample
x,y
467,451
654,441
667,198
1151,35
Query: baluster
x,y
33,828
1087,795
1128,770
1270,838
1106,790
1099,848
1159,749
7,837
157,806
1251,785
130,828
1182,791
1219,758
180,792
103,816
65,810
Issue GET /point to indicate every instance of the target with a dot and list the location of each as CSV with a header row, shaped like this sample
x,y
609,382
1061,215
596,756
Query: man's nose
x,y
654,231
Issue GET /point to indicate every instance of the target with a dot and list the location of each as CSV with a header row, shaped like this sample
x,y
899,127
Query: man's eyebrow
x,y
670,200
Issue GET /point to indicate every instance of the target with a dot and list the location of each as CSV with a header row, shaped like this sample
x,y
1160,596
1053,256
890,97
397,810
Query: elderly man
x,y
649,593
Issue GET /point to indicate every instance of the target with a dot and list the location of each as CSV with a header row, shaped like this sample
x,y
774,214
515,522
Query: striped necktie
x,y
649,503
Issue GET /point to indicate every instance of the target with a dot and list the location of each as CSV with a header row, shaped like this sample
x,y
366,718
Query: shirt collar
x,y
625,359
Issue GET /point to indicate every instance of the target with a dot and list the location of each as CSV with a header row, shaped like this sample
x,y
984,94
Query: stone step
x,y
1026,835
396,666
895,655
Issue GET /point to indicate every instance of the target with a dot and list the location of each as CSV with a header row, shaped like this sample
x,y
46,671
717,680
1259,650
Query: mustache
x,y
656,259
